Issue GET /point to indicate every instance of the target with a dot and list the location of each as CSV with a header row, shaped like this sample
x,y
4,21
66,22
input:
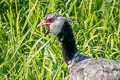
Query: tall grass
x,y
26,54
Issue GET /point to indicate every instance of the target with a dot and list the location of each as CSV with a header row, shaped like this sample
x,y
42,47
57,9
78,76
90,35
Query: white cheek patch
x,y
56,27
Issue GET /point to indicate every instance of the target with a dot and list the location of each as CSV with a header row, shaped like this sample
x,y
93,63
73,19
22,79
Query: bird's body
x,y
95,69
81,67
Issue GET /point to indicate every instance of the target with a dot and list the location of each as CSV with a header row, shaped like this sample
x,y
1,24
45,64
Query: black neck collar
x,y
66,37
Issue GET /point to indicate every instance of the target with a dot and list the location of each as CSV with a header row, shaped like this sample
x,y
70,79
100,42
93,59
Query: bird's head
x,y
54,22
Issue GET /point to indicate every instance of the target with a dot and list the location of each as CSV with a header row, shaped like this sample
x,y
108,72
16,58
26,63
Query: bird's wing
x,y
95,69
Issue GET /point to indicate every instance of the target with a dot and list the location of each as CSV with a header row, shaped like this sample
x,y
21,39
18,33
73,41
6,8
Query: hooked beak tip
x,y
38,26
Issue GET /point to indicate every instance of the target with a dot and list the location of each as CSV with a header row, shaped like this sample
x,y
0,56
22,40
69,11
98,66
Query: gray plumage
x,y
95,69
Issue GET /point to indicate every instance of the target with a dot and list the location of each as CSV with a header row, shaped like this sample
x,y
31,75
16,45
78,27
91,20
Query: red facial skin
x,y
47,22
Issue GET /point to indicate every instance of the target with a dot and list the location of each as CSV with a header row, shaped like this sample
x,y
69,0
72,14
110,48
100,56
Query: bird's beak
x,y
42,23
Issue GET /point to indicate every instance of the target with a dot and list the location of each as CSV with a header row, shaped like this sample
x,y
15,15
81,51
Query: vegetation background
x,y
25,53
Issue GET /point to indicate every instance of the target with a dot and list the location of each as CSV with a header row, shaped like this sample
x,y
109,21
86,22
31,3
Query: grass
x,y
26,54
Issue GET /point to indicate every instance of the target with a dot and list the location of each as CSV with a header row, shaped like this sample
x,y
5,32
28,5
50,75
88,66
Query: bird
x,y
80,66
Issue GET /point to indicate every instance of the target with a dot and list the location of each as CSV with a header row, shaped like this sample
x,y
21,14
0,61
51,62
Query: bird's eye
x,y
50,20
